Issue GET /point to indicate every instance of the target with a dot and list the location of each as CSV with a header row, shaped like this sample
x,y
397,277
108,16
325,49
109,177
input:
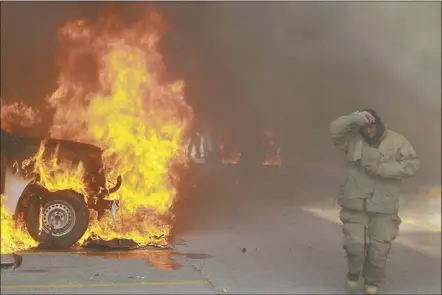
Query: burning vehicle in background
x,y
62,214
202,148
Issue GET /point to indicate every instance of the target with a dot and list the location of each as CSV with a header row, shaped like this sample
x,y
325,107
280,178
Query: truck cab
x,y
64,214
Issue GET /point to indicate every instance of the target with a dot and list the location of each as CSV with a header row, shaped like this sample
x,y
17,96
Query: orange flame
x,y
14,236
229,156
17,114
273,157
135,116
112,93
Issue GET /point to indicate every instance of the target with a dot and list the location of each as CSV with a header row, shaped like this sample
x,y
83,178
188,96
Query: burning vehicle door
x,y
14,186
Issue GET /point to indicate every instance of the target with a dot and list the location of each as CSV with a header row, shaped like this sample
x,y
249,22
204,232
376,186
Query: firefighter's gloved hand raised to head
x,y
368,116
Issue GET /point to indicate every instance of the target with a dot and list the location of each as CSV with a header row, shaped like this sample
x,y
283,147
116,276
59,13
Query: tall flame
x,y
135,116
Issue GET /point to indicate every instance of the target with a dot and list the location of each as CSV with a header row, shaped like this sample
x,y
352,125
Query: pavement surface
x,y
240,234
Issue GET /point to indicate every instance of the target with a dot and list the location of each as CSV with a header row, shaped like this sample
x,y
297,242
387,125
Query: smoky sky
x,y
291,67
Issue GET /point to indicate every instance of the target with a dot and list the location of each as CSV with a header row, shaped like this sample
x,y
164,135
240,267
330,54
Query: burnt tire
x,y
66,211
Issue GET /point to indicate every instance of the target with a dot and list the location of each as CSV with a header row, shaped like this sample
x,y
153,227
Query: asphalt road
x,y
260,234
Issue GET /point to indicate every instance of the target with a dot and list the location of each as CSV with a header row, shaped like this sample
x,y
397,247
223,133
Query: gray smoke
x,y
287,66
295,66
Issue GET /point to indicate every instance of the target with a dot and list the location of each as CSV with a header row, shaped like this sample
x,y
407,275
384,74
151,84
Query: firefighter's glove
x,y
368,116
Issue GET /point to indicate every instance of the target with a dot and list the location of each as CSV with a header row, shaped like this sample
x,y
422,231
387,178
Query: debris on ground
x,y
46,239
151,247
11,261
94,276
114,244
120,244
136,277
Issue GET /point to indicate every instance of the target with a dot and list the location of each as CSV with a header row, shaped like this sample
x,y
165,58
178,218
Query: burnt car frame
x,y
62,214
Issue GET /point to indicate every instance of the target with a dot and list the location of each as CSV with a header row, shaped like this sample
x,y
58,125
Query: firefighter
x,y
377,159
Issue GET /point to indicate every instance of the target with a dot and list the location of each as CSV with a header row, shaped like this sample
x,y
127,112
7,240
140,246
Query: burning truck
x,y
61,214
116,138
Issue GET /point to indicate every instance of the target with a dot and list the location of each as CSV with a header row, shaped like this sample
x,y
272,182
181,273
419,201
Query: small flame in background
x,y
231,155
273,156
112,93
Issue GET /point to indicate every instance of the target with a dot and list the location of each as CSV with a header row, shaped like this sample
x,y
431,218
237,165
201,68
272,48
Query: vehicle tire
x,y
66,211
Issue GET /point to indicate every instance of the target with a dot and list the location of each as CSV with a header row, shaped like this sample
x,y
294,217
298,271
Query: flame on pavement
x,y
14,236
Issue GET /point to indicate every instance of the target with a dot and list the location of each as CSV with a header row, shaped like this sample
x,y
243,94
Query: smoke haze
x,y
288,66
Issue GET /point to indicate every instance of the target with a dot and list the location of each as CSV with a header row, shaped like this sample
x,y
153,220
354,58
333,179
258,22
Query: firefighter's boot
x,y
352,283
371,289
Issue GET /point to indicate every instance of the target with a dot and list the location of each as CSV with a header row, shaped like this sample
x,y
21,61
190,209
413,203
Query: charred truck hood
x,y
22,147
17,148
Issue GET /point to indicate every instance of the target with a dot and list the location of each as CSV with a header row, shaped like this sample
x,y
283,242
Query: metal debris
x,y
46,239
114,244
120,244
11,261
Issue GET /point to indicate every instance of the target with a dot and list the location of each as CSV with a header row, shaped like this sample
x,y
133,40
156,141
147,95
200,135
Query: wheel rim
x,y
60,216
